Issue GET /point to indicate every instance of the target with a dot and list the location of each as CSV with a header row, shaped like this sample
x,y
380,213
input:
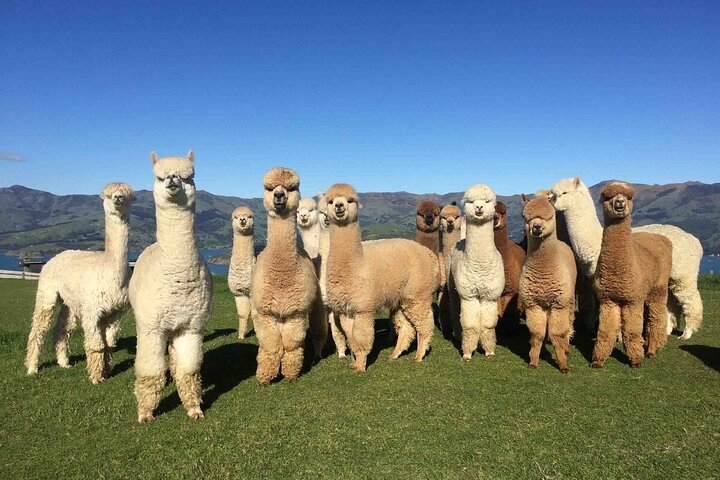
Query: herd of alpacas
x,y
640,281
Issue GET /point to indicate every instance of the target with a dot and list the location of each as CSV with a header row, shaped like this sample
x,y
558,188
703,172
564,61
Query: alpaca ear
x,y
190,156
153,157
578,181
524,197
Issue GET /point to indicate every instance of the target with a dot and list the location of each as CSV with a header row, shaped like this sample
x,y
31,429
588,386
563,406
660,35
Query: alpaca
x,y
513,257
547,283
242,261
338,335
171,292
89,286
631,277
284,287
476,274
451,221
309,226
572,197
427,225
398,274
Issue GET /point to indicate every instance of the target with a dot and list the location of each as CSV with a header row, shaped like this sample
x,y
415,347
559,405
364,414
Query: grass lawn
x,y
442,418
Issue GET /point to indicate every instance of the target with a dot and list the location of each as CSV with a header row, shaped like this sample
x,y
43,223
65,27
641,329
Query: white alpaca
x,y
242,261
573,198
309,226
171,293
475,271
89,286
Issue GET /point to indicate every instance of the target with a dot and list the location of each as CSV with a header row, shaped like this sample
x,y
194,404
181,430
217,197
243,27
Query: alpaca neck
x,y
449,239
345,256
311,239
585,232
479,240
541,245
282,240
176,232
502,241
616,241
243,248
116,240
430,240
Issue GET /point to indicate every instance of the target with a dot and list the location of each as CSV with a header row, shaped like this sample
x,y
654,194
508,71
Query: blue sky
x,y
415,96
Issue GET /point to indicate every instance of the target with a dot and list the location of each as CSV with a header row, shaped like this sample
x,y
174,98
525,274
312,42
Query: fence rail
x,y
19,275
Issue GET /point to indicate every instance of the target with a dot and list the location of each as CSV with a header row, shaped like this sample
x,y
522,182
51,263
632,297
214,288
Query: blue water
x,y
9,262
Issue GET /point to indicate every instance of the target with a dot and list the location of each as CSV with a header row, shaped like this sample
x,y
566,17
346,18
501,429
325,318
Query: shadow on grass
x,y
220,332
710,356
585,345
127,343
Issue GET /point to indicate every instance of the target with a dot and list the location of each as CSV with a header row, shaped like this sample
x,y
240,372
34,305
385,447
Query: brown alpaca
x,y
427,224
451,221
547,283
396,274
632,276
513,257
284,287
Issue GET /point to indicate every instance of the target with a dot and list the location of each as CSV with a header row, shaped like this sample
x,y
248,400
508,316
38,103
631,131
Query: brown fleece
x,y
513,257
631,277
428,235
547,284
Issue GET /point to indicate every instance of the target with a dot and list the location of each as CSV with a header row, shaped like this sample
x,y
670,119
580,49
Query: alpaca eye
x,y
330,202
351,200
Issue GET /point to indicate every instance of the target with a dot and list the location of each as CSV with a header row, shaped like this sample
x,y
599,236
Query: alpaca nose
x,y
450,223
339,208
242,222
279,196
429,218
536,229
119,200
619,204
478,210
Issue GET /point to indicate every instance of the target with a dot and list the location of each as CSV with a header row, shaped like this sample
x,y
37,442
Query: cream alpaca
x,y
242,261
171,292
309,226
284,288
451,223
547,283
397,274
573,198
476,273
89,286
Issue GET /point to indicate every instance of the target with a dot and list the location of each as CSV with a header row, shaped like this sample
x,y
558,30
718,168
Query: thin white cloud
x,y
11,157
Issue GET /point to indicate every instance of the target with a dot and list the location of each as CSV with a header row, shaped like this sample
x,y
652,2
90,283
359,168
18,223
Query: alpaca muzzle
x,y
339,210
619,205
173,184
478,211
536,230
429,219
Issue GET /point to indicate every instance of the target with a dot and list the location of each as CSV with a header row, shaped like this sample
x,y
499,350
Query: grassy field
x,y
490,418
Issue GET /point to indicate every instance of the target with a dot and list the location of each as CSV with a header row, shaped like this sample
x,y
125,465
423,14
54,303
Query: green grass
x,y
490,418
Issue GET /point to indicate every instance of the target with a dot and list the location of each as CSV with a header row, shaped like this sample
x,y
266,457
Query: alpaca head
x,y
616,199
566,192
539,216
174,180
282,192
322,208
243,221
479,204
117,199
427,218
450,217
342,204
500,220
307,214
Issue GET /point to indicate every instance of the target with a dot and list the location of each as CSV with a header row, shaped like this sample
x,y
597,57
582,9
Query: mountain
x,y
40,222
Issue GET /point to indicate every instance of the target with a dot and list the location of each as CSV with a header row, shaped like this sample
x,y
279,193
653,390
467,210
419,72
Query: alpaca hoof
x,y
145,418
686,334
32,371
241,336
466,357
96,381
532,365
418,358
651,354
564,371
394,356
63,365
635,365
342,356
489,354
195,413
596,364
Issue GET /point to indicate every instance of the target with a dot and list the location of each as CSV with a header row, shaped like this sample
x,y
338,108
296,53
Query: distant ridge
x,y
41,222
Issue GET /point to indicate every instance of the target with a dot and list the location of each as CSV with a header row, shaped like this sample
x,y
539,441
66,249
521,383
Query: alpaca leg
x,y
293,331
363,336
455,309
607,333
632,327
269,348
446,322
338,334
674,311
149,373
318,327
470,326
421,317
656,320
347,323
688,296
488,322
242,303
536,320
560,331
61,335
95,346
187,350
111,330
405,333
44,310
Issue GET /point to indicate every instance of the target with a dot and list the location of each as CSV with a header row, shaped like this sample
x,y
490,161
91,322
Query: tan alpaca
x,y
397,274
171,292
547,283
451,221
284,286
242,261
513,257
89,286
632,276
